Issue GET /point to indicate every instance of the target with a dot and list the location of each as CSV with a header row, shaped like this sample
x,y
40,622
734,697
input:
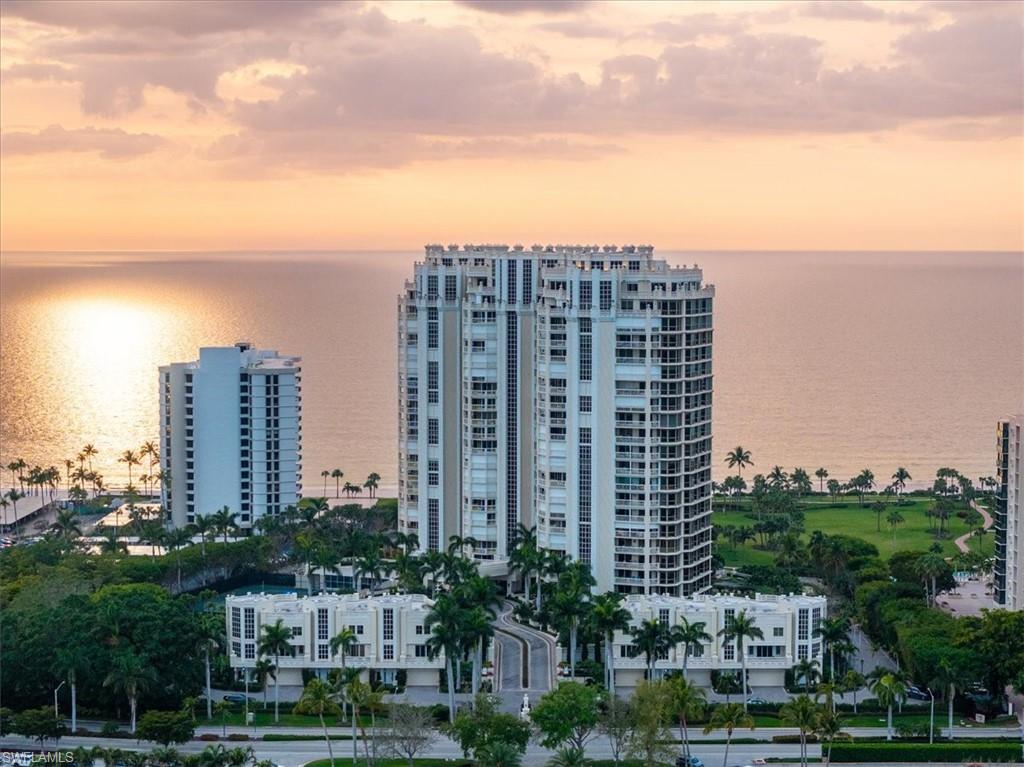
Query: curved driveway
x,y
516,641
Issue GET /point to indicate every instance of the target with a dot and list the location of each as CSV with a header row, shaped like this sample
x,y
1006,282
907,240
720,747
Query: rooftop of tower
x,y
574,250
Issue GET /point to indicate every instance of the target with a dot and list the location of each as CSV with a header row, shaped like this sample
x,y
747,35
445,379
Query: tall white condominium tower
x,y
567,387
231,433
1009,515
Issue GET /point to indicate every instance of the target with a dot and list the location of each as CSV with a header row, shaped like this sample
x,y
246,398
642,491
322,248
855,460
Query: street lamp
x,y
56,711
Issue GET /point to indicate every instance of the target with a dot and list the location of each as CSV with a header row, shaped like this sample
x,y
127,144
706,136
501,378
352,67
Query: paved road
x,y
513,641
298,753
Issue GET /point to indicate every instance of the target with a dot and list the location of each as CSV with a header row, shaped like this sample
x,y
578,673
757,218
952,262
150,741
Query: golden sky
x,y
243,125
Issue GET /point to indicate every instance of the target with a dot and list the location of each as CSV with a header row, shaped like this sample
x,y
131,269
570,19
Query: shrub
x,y
925,752
209,736
237,736
110,730
792,739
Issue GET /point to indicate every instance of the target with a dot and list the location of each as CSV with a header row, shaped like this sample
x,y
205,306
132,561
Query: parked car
x,y
234,697
916,693
756,702
689,761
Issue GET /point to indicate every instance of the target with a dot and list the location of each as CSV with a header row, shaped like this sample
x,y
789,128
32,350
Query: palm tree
x,y
4,503
66,526
325,474
263,670
571,603
175,540
800,481
610,616
778,478
210,630
130,676
688,702
738,458
130,458
889,689
71,658
276,641
950,677
832,631
336,475
479,595
801,712
728,717
894,518
829,729
525,556
318,698
692,637
930,566
111,544
14,497
224,521
899,479
149,450
204,525
806,670
652,638
741,628
822,475
445,623
371,483
852,681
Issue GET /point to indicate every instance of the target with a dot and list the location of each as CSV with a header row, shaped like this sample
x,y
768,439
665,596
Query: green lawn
x,y
340,762
266,719
849,518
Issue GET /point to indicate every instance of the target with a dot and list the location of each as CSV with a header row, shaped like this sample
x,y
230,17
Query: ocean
x,y
842,360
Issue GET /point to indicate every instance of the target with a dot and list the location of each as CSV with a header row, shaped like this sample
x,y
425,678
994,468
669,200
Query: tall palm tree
x,y
832,631
822,475
889,689
572,602
741,628
899,479
525,556
175,540
275,640
318,698
371,483
211,637
691,636
342,643
688,702
479,595
71,659
224,521
829,729
326,475
4,503
778,478
738,458
336,475
801,712
264,669
445,622
610,616
130,676
152,452
129,458
652,638
894,518
950,677
14,496
728,717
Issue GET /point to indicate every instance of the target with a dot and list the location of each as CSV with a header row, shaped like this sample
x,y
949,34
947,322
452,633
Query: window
x,y
419,629
586,295
778,631
729,652
389,652
585,404
389,624
323,652
236,648
802,632
432,431
236,622
606,296
432,335
321,623
296,631
432,379
663,616
250,623
433,524
250,651
433,473
357,629
450,287
420,651
432,286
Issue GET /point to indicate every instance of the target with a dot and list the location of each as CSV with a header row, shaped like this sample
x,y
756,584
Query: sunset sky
x,y
742,125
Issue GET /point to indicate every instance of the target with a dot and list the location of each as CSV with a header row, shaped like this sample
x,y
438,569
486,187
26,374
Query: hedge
x,y
925,752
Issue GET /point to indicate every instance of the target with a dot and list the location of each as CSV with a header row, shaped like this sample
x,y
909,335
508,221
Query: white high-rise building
x,y
562,387
231,434
1008,573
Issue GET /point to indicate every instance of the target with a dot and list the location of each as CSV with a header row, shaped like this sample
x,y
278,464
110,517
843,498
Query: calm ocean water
x,y
842,360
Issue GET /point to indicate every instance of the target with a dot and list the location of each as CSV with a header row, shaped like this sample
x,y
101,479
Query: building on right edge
x,y
1008,574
